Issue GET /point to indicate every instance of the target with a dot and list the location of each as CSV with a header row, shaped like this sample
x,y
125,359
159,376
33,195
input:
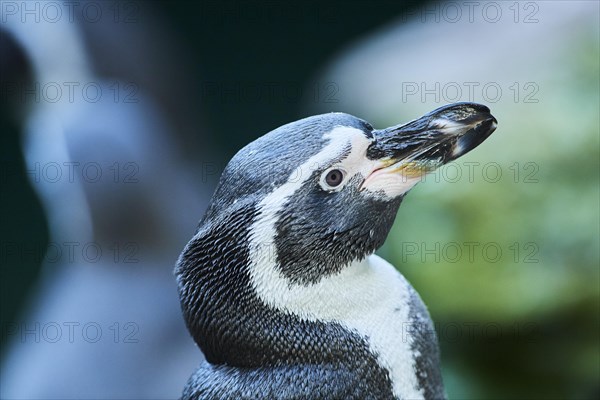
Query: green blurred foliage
x,y
523,323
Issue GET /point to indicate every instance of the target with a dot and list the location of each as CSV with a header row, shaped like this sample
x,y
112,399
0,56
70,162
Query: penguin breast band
x,y
279,286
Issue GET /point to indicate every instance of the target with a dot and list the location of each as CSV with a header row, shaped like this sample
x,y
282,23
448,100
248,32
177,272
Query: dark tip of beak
x,y
442,135
473,137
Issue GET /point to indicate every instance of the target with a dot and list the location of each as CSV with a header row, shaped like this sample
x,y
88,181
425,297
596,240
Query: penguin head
x,y
324,190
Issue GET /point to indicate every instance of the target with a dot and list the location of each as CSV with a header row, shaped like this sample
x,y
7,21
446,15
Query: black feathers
x,y
318,233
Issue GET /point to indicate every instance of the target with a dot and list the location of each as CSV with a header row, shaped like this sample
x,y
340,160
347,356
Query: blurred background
x,y
118,117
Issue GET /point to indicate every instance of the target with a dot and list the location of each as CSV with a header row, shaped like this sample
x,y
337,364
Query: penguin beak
x,y
433,140
413,149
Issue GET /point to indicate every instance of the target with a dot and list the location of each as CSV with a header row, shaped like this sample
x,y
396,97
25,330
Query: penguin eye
x,y
334,177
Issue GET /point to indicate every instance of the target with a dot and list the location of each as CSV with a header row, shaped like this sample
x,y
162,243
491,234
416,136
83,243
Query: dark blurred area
x,y
118,116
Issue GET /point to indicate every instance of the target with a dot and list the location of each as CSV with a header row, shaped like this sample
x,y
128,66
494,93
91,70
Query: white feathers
x,y
389,183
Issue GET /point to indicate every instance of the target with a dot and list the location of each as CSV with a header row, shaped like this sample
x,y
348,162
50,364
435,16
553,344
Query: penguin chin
x,y
388,183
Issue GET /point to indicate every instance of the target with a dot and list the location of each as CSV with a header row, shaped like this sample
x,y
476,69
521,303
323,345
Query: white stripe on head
x,y
369,298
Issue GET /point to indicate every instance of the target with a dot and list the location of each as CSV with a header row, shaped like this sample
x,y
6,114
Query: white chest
x,y
369,298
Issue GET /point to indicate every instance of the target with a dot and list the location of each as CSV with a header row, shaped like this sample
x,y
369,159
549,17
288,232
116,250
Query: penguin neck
x,y
352,294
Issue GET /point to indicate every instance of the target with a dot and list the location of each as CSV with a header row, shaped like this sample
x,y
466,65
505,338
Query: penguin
x,y
280,287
